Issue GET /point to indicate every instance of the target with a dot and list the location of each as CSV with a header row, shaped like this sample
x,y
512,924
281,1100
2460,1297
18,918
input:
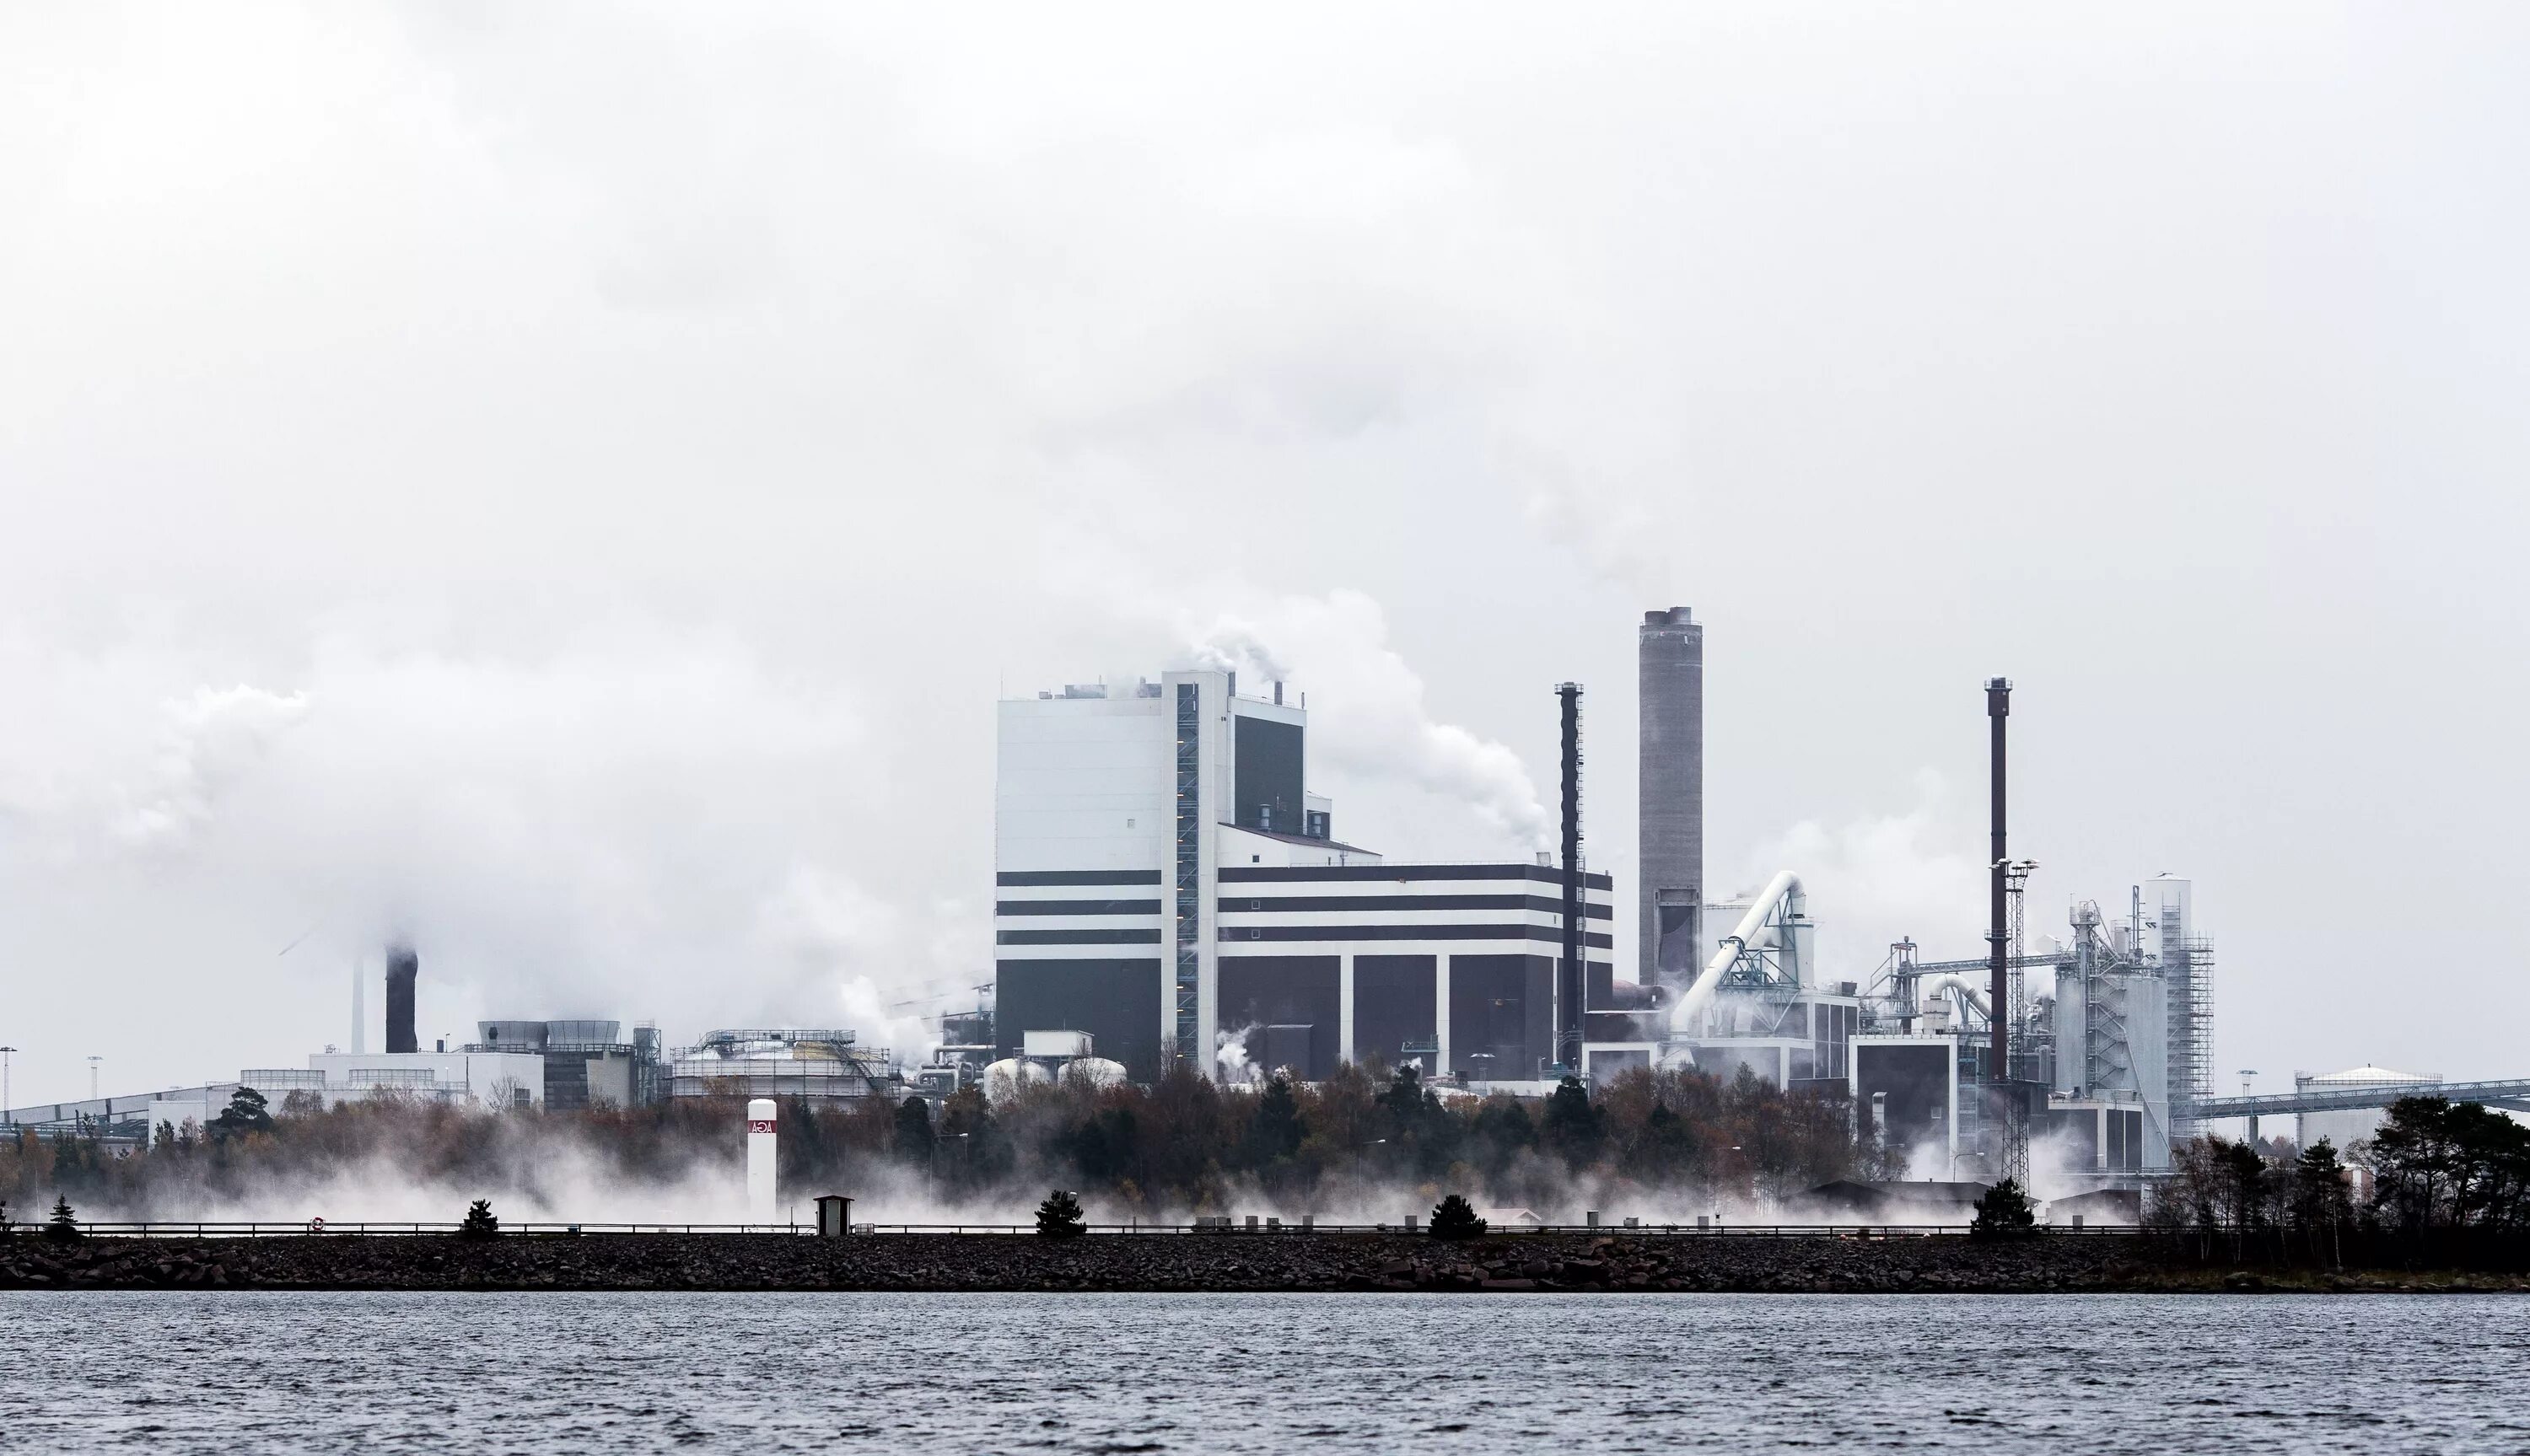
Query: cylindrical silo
x,y
759,1160
1670,870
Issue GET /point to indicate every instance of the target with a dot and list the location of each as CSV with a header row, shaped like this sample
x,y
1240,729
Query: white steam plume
x,y
1881,876
642,824
1374,722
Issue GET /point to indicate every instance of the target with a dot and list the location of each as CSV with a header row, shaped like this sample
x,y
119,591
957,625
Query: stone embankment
x,y
1191,1262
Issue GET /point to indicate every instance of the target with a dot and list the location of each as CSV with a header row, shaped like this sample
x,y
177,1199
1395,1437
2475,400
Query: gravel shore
x,y
1170,1261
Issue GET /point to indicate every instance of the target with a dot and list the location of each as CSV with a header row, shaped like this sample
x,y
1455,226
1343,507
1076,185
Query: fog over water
x,y
242,1374
569,482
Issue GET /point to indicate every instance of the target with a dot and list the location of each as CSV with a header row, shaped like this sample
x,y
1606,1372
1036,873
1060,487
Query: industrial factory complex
x,y
1169,893
1167,884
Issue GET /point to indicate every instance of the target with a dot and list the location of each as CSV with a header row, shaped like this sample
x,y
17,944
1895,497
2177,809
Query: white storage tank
x,y
1097,1071
1004,1078
2345,1128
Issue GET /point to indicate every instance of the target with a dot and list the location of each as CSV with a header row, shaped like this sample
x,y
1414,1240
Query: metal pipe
x,y
1786,886
1998,711
1965,987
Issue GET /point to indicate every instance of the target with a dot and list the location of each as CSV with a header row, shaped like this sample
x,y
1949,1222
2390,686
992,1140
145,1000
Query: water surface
x,y
247,1372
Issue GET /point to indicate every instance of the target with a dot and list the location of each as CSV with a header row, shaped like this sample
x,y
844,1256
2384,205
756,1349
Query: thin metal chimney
x,y
402,968
1569,976
1998,712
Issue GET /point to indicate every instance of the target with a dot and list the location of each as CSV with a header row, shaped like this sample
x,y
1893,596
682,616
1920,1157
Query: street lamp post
x,y
95,1065
4,1086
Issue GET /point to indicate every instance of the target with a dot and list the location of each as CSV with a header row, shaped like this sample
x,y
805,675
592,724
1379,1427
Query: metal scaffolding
x,y
2189,982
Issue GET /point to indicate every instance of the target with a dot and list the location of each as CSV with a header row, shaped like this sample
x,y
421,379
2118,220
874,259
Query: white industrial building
x,y
560,1065
490,1079
1165,882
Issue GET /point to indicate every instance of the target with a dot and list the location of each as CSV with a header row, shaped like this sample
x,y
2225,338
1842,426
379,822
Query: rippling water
x,y
251,1372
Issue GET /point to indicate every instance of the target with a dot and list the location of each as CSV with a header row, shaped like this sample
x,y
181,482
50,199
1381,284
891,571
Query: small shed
x,y
834,1216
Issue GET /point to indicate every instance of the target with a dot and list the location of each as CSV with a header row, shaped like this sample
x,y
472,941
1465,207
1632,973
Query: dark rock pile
x,y
999,1262
1156,1262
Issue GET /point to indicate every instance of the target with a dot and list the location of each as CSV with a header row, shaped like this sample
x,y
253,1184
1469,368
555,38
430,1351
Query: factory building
x,y
1905,1088
2109,1022
584,1063
559,1065
1758,1003
1912,1046
1165,882
1367,959
198,1105
490,1079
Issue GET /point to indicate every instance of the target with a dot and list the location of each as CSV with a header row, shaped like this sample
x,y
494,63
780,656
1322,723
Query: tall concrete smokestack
x,y
402,968
1669,868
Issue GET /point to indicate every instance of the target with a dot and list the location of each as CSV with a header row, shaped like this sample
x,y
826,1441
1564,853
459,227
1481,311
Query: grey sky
x,y
571,481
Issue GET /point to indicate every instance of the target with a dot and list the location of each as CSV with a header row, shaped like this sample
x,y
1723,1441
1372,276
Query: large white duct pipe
x,y
1786,886
759,1160
1958,986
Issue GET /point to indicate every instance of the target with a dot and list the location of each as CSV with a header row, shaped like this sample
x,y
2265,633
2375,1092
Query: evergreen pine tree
x,y
1574,1127
479,1222
246,1112
1403,1097
64,1223
1277,1129
1454,1217
913,1138
2320,1196
2004,1212
1058,1217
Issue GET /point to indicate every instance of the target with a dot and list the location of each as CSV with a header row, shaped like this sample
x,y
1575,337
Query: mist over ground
x,y
569,484
1364,1146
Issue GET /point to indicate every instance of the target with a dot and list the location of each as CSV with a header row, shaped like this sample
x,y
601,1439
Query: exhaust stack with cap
x,y
759,1159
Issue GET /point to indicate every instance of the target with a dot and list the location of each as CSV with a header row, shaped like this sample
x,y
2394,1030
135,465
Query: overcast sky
x,y
569,481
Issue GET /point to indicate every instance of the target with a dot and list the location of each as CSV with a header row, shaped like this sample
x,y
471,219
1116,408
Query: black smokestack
x,y
1569,979
1998,712
403,967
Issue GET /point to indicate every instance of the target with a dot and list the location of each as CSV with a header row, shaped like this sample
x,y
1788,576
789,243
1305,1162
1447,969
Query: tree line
x,y
2434,1164
1180,1145
1186,1144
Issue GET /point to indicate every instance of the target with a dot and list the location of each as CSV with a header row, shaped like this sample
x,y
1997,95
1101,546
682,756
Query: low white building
x,y
488,1079
194,1105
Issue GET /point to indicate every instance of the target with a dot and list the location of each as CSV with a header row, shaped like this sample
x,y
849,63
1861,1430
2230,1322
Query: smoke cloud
x,y
1375,725
645,824
644,436
1881,876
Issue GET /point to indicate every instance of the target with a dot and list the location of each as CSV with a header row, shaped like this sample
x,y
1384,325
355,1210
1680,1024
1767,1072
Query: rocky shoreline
x,y
1174,1263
